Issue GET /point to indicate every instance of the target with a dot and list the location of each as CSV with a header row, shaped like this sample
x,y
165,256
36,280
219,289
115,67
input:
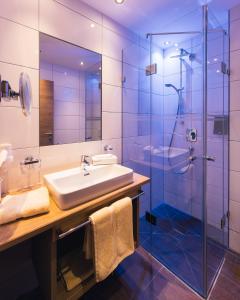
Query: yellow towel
x,y
24,205
124,227
112,236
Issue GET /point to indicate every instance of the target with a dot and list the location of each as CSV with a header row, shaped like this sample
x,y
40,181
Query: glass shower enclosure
x,y
175,130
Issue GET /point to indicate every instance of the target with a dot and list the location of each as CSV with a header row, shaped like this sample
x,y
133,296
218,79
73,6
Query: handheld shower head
x,y
169,85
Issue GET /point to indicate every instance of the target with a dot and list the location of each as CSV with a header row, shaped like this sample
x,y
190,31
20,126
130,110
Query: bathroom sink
x,y
72,187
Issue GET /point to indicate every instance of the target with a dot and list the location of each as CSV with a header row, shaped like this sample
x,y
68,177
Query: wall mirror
x,y
70,93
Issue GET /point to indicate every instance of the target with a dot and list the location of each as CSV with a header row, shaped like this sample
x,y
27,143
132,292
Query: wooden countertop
x,y
23,229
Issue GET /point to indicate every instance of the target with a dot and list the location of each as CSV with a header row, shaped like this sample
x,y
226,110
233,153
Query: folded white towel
x,y
104,159
24,205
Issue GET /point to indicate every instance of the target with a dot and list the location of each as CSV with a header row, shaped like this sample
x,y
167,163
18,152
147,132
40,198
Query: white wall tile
x,y
51,22
234,223
234,156
111,125
234,241
111,98
234,126
130,100
65,77
235,95
235,65
119,29
62,108
66,94
66,122
130,125
19,44
234,188
83,9
25,13
112,44
66,136
111,71
18,130
235,13
234,35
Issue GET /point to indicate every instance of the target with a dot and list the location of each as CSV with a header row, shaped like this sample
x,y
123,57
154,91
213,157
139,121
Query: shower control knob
x,y
210,158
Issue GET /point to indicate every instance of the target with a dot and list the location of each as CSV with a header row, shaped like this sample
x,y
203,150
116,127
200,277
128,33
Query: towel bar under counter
x,y
64,234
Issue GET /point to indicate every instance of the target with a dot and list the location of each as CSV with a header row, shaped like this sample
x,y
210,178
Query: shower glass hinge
x,y
224,68
223,221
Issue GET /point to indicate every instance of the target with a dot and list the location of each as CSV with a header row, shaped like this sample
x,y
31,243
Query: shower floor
x,y
176,240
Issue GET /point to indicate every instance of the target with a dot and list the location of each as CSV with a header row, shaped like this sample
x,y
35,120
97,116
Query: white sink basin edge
x,y
70,187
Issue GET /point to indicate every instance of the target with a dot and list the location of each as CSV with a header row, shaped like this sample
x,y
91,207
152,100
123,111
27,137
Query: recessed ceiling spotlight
x,y
92,25
119,1
167,43
81,63
176,44
215,59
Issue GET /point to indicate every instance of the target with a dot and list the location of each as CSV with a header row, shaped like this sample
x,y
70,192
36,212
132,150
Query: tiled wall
x,y
69,102
69,20
235,129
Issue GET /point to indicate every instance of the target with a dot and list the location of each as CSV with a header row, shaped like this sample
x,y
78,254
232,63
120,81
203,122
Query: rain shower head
x,y
184,53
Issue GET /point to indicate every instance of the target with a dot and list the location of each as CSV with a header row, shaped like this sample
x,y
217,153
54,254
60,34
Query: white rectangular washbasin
x,y
70,187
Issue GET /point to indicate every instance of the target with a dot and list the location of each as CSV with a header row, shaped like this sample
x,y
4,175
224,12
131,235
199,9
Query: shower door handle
x,y
209,158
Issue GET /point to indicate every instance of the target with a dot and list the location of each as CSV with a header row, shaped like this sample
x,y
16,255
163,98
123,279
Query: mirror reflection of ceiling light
x,y
119,1
167,43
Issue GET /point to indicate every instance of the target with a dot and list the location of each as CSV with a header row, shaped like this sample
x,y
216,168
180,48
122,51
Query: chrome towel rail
x,y
64,234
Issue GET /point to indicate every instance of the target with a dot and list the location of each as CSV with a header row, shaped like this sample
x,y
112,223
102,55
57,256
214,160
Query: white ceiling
x,y
144,16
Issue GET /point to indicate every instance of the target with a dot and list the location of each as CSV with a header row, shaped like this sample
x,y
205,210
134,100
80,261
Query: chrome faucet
x,y
85,161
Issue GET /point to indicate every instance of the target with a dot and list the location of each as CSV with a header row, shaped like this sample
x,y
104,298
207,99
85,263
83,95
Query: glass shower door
x,y
177,173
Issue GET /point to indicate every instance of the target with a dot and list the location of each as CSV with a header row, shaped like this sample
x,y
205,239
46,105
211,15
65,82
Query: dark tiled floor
x,y
176,240
141,277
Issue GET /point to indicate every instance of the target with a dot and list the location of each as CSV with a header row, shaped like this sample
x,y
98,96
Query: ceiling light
x,y
167,43
81,63
176,44
92,25
119,1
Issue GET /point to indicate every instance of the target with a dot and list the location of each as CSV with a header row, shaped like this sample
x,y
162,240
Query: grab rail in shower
x,y
70,231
